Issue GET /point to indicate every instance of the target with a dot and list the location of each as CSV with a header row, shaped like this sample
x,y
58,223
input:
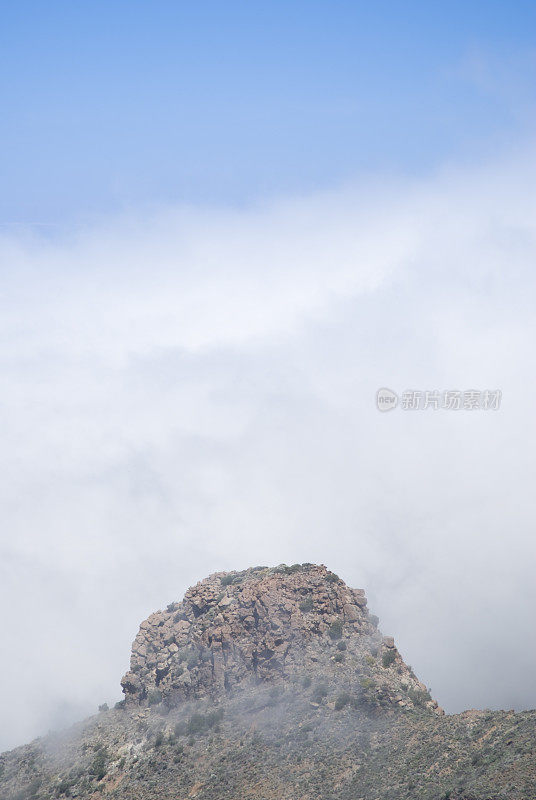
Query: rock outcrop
x,y
266,625
275,684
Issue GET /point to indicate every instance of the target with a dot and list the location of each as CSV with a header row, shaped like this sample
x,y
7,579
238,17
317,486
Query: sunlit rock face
x,y
268,625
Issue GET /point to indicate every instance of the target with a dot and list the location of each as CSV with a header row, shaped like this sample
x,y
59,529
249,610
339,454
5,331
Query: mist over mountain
x,y
267,292
275,683
194,389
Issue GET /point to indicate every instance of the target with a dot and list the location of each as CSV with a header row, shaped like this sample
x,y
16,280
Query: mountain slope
x,y
275,683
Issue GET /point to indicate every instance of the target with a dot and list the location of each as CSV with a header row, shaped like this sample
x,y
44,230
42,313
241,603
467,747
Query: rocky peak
x,y
268,625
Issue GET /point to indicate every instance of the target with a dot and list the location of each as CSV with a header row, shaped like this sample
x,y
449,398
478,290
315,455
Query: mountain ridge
x,y
275,683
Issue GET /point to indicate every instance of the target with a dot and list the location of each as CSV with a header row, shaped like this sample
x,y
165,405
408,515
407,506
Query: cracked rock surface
x,y
265,624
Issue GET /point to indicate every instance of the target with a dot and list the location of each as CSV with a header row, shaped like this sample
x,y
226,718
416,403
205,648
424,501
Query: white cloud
x,y
192,390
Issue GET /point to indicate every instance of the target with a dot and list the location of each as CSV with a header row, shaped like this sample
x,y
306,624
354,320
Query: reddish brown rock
x,y
261,625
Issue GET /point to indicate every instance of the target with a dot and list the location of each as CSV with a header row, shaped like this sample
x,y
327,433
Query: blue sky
x,y
107,106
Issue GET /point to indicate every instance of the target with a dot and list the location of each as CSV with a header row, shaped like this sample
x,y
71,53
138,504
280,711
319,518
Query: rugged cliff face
x,y
268,625
275,684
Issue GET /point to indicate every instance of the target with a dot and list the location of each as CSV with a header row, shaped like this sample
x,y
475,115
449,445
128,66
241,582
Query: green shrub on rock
x,y
419,697
64,788
100,763
342,701
320,692
335,629
339,657
154,697
388,658
200,723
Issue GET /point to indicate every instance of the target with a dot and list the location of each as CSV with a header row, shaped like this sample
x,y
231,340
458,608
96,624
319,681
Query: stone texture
x,y
262,625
